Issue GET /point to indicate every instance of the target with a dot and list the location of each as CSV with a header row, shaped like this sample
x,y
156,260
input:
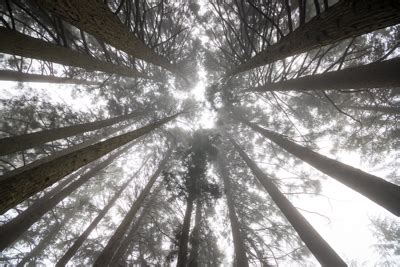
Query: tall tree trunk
x,y
17,188
345,19
114,243
184,237
13,229
17,76
96,18
79,241
195,239
41,246
26,46
238,242
119,255
91,141
317,245
375,75
375,188
21,142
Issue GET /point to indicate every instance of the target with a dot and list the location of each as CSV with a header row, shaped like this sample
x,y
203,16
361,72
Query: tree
x,y
26,46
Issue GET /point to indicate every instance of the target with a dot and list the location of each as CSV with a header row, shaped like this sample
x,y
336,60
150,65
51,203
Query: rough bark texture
x,y
79,241
317,245
94,17
21,142
17,188
184,237
13,229
375,188
238,242
346,19
16,76
195,238
115,241
376,75
26,46
95,139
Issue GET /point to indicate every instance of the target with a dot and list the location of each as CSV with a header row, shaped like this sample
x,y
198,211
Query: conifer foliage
x,y
194,133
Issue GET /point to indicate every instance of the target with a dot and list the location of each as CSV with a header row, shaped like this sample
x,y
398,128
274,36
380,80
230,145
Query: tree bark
x,y
184,237
114,243
195,239
21,142
317,245
345,19
96,18
66,151
17,76
375,75
238,242
375,188
41,246
79,241
13,229
26,46
17,188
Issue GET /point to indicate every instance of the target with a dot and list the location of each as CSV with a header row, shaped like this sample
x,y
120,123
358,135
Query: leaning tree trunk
x,y
375,75
26,46
21,142
17,76
375,188
41,246
346,19
17,188
114,243
184,237
91,141
96,18
238,242
317,245
119,255
79,241
13,229
195,239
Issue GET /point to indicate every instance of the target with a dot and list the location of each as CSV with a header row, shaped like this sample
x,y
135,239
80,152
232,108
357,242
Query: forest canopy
x,y
199,133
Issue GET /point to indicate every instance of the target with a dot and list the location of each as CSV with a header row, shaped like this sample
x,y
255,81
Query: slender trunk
x,y
119,255
26,46
184,238
114,243
41,246
79,241
195,239
66,151
317,245
375,188
96,18
16,76
346,19
238,242
17,188
381,109
21,142
376,75
13,229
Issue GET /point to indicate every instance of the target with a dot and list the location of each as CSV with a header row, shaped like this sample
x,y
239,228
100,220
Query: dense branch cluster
x,y
105,158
